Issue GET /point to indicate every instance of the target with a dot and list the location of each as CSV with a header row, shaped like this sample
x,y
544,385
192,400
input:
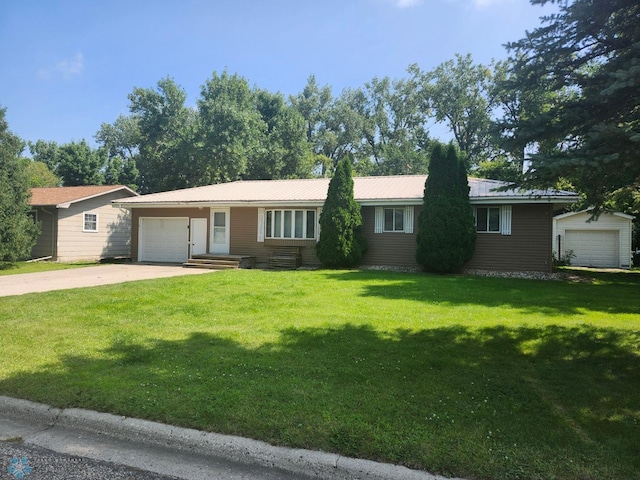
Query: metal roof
x,y
367,191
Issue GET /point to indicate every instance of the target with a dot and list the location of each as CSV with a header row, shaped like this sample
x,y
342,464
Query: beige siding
x,y
606,221
45,246
111,239
528,248
389,248
193,212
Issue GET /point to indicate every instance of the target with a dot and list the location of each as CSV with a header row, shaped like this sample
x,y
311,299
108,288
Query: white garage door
x,y
593,248
163,240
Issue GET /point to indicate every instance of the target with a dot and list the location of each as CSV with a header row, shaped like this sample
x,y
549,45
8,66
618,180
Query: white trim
x,y
226,247
84,222
588,210
379,220
280,235
408,219
505,219
261,227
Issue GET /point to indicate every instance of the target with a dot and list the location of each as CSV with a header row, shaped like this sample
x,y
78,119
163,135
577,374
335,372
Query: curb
x,y
306,463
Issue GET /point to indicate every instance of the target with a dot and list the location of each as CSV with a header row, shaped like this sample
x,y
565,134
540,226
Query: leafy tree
x,y
231,127
587,58
120,140
315,105
499,169
283,150
18,232
393,132
73,163
45,152
342,242
79,164
461,94
446,231
166,158
39,175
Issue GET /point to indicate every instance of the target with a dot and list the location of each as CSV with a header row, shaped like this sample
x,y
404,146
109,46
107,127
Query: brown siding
x,y
527,248
389,248
136,213
244,238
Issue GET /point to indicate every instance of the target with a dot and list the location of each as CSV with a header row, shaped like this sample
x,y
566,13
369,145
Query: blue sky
x,y
68,66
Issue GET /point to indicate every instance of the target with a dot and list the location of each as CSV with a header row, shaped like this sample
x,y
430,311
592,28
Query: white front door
x,y
198,231
220,231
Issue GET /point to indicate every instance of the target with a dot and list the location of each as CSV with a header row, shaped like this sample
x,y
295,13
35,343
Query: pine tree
x,y
342,241
446,232
18,232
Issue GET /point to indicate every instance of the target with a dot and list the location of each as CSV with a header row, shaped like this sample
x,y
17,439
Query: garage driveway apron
x,y
88,277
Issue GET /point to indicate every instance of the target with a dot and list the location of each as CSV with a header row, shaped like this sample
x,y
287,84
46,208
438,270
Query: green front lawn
x,y
482,378
35,267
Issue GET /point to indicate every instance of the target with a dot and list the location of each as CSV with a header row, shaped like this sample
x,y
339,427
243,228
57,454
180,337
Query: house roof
x,y
407,189
63,197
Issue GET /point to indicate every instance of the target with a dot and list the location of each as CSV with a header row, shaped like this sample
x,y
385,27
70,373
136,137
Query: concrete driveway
x,y
89,277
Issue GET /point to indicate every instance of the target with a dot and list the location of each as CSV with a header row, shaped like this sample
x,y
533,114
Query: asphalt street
x,y
19,461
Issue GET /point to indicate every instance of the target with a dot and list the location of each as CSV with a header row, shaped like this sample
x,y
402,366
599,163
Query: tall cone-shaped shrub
x,y
342,241
446,227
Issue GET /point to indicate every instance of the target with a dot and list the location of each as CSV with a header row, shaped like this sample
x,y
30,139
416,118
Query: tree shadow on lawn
x,y
545,297
549,402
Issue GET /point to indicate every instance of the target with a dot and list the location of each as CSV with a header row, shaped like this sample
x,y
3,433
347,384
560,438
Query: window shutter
x,y
379,220
505,219
261,224
408,219
318,213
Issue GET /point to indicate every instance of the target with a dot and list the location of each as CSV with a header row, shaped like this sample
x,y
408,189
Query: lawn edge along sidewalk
x,y
226,448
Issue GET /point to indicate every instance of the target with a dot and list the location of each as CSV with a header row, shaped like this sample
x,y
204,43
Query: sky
x,y
66,67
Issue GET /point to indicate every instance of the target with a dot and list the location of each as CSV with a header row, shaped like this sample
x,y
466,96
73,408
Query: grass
x,y
35,267
482,378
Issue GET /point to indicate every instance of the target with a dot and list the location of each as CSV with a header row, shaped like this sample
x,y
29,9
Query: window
x,y
90,223
299,224
394,219
493,219
488,219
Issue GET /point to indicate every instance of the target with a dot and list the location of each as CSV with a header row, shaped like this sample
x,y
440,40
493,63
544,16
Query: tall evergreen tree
x,y
18,232
342,241
586,58
446,230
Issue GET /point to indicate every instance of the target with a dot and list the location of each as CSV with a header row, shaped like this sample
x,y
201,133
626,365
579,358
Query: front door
x,y
220,231
198,234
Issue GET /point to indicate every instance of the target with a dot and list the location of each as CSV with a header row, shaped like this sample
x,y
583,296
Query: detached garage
x,y
602,243
163,239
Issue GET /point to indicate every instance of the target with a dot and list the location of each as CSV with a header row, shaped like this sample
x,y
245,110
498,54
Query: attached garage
x,y
163,239
604,242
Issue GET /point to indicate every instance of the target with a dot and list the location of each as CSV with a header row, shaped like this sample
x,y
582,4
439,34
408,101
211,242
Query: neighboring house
x,y
604,242
254,217
79,223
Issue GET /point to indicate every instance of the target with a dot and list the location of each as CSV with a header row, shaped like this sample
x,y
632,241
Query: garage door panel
x,y
164,240
593,248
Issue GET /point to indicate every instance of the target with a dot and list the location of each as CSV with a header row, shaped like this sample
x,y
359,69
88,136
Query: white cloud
x,y
66,68
406,3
